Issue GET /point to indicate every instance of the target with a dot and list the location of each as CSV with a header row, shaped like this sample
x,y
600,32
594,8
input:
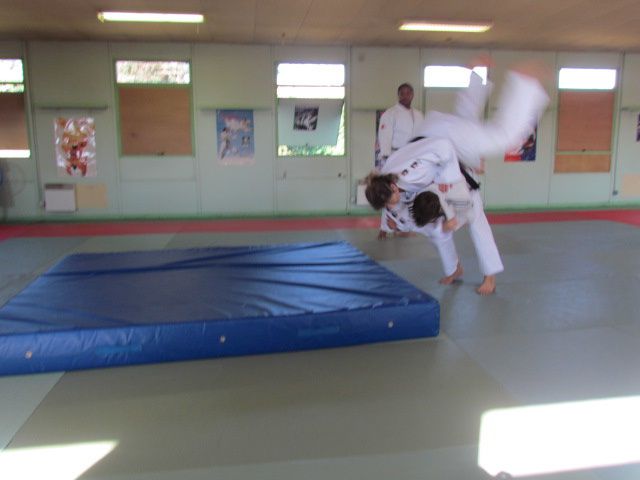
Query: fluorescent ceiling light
x,y
430,26
150,17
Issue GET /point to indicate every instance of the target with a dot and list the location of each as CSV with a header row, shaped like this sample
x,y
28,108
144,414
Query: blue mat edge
x,y
159,343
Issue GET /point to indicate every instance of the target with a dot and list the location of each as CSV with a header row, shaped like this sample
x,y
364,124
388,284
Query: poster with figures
x,y
75,146
377,162
235,137
526,152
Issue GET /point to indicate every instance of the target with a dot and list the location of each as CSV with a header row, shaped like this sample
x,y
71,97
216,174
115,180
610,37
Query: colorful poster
x,y
75,145
377,160
235,137
526,152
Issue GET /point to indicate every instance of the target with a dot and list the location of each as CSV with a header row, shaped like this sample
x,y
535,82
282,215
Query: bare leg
x,y
449,279
488,285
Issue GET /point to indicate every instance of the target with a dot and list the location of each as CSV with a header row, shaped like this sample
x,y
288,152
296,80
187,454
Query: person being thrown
x,y
449,138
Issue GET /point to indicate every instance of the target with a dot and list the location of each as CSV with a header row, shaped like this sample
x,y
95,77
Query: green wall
x,y
77,79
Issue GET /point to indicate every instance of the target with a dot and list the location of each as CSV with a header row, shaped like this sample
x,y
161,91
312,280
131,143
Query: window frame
x,y
306,151
11,153
151,85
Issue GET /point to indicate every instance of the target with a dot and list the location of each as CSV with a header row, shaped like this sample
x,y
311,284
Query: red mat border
x,y
52,229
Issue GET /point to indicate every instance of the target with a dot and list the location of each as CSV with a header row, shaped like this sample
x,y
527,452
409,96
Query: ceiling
x,y
588,25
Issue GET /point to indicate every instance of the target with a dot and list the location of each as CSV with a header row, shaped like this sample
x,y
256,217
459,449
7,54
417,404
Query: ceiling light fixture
x,y
433,26
150,17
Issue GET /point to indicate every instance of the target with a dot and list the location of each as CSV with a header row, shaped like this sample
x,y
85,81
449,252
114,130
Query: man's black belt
x,y
473,185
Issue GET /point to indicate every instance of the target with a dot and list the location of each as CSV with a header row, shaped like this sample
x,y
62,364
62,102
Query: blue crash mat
x,y
99,310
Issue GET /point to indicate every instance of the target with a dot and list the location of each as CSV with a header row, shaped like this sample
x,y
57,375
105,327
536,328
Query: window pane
x,y
336,150
310,74
450,76
319,83
587,78
310,92
15,153
11,71
11,87
152,72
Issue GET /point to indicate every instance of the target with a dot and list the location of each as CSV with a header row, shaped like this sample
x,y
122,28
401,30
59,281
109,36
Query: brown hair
x,y
426,208
379,190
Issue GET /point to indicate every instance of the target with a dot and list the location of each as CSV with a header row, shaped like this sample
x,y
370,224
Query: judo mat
x,y
110,309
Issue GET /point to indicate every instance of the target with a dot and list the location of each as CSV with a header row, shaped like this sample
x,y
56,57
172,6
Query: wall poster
x,y
235,135
75,146
526,152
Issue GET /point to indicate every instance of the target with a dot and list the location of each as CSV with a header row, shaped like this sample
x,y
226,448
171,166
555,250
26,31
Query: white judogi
x,y
522,102
520,107
484,244
421,163
397,127
443,241
456,202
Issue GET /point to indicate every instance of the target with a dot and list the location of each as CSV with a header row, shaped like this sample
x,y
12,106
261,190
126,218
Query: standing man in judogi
x,y
398,126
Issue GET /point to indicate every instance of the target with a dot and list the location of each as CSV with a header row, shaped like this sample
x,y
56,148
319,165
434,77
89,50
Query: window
x,y
587,79
14,140
449,76
311,115
585,120
152,72
154,101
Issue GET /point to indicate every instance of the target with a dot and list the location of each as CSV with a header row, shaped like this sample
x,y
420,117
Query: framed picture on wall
x,y
235,135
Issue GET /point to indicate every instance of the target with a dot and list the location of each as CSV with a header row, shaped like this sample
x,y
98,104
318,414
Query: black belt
x,y
473,185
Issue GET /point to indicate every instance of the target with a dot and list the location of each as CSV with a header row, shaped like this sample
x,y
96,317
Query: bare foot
x,y
405,234
488,285
448,280
382,235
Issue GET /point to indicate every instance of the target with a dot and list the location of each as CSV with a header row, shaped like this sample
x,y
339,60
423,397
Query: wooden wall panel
x,y
585,120
582,163
91,195
155,120
631,185
13,122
